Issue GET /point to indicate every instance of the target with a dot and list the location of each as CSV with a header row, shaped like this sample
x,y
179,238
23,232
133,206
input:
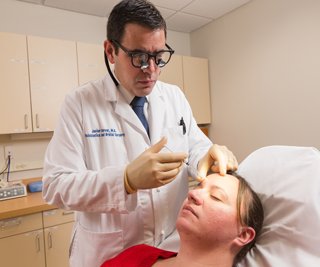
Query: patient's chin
x,y
185,227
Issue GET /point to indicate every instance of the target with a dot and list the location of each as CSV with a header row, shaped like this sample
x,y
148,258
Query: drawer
x,y
57,216
21,224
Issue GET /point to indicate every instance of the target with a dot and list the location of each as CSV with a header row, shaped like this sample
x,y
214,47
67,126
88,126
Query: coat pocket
x,y
177,141
92,248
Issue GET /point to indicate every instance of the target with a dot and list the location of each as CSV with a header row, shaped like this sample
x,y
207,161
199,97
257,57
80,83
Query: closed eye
x,y
216,199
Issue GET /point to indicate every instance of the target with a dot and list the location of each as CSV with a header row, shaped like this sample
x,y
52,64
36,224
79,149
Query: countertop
x,y
31,203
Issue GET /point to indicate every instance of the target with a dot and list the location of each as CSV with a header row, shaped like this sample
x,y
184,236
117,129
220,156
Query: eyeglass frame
x,y
131,54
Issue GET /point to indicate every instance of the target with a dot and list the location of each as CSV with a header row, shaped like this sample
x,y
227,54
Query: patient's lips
x,y
189,209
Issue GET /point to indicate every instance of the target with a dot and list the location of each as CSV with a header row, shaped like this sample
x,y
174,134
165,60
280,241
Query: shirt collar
x,y
125,93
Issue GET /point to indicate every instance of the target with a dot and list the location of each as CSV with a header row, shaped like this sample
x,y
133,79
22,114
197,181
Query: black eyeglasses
x,y
141,59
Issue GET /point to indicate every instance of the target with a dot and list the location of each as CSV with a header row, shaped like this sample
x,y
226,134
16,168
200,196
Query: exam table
x,y
287,180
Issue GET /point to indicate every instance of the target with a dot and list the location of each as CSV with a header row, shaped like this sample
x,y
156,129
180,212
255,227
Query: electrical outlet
x,y
8,150
20,166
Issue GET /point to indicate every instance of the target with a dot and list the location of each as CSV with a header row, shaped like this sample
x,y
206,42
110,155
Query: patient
x,y
218,224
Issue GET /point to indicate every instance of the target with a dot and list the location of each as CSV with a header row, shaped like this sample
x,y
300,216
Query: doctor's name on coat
x,y
104,133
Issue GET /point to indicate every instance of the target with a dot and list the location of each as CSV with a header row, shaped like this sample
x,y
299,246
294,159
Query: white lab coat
x,y
96,136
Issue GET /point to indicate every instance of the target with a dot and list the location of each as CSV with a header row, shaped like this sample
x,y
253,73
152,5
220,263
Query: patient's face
x,y
210,211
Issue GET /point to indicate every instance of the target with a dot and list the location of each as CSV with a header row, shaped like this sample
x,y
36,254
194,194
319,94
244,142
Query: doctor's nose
x,y
195,197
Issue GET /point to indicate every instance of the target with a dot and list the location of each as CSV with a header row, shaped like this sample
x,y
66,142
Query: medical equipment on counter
x,y
12,190
188,164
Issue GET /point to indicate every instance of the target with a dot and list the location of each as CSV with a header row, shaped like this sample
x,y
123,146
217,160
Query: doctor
x,y
110,166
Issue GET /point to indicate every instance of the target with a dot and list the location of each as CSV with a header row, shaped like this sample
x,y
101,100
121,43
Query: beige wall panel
x,y
172,73
196,87
53,73
15,110
91,63
264,75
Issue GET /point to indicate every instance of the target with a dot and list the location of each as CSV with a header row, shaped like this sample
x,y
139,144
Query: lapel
x,y
156,112
121,106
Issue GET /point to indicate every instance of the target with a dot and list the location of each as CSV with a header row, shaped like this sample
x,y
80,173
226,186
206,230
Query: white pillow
x,y
287,180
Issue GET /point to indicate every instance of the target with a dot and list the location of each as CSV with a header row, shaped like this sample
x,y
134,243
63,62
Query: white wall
x,y
264,61
32,19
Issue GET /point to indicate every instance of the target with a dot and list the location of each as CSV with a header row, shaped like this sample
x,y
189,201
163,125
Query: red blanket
x,y
140,255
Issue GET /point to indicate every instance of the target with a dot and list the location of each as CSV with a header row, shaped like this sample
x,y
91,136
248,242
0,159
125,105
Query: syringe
x,y
188,164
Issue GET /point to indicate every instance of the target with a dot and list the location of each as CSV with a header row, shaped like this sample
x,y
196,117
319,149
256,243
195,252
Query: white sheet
x,y
287,179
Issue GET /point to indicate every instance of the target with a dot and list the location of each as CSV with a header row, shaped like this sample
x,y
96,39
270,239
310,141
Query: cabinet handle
x,y
38,237
50,240
37,116
67,212
8,225
26,119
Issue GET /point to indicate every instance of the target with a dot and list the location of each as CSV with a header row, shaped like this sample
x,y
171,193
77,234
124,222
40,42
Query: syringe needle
x,y
187,163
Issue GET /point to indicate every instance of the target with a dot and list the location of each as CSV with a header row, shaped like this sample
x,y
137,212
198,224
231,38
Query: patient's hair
x,y
250,213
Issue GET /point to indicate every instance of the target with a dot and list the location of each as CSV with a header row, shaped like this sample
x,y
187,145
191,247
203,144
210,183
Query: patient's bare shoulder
x,y
164,262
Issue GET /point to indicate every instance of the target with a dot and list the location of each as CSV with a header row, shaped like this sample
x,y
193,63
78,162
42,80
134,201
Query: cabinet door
x,y
172,73
91,63
57,240
15,110
23,250
196,87
53,73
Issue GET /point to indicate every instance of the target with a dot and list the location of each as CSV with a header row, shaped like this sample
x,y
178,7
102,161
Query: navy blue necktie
x,y
137,105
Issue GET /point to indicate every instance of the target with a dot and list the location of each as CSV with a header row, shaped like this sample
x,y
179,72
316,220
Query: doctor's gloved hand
x,y
153,169
218,159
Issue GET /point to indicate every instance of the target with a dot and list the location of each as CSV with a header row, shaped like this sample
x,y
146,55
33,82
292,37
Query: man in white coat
x,y
109,165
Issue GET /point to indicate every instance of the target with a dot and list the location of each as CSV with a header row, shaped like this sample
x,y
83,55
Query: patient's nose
x,y
195,197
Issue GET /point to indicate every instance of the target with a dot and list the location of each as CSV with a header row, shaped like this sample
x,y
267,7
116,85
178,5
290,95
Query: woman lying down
x,y
218,224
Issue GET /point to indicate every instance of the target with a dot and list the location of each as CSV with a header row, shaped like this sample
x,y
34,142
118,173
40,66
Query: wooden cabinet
x,y
53,73
91,63
36,74
15,110
57,240
57,231
191,74
21,241
35,70
39,240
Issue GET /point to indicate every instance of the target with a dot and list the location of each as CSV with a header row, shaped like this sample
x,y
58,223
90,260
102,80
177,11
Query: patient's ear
x,y
246,235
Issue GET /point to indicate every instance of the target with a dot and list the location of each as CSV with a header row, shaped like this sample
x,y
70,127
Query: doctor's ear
x,y
246,235
109,50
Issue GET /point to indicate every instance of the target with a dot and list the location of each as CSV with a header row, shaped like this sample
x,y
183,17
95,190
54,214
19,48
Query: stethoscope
x,y
109,70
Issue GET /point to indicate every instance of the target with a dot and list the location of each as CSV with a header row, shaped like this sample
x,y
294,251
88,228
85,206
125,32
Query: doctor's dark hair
x,y
141,12
250,213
